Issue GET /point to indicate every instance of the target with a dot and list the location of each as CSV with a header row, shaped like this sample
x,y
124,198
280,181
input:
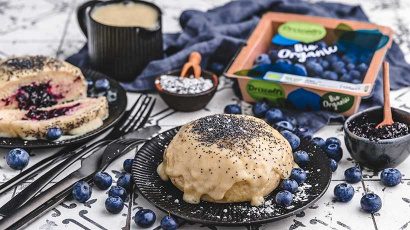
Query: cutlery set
x,y
33,201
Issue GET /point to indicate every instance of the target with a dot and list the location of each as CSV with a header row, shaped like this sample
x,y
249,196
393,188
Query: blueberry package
x,y
311,63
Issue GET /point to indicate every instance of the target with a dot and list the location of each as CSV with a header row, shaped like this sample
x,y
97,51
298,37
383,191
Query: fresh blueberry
x,y
371,203
81,191
301,157
284,198
145,218
54,133
127,165
17,158
125,181
293,140
233,109
349,59
289,185
118,191
343,192
390,177
353,175
314,68
333,165
273,55
263,59
274,115
356,81
319,142
330,75
169,223
102,84
346,78
260,108
334,151
90,84
284,125
325,64
362,68
114,204
283,65
321,44
299,175
291,120
338,65
299,69
355,74
333,140
350,66
332,58
304,133
102,180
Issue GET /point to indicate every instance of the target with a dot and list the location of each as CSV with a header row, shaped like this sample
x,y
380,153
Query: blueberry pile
x,y
346,67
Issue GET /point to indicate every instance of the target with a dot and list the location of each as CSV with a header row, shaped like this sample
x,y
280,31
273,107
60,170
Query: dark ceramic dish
x,y
166,197
188,102
383,153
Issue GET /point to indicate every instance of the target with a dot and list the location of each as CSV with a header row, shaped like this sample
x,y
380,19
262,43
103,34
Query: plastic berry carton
x,y
310,63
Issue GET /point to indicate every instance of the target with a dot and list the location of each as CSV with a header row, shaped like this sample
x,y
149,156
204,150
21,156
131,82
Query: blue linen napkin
x,y
218,33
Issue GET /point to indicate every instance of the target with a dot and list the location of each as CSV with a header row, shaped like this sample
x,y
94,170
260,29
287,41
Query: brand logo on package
x,y
302,31
260,90
337,102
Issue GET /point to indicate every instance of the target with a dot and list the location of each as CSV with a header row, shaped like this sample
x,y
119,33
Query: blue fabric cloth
x,y
218,33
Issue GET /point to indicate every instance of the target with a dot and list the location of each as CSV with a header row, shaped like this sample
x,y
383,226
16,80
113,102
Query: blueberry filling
x,y
36,96
34,114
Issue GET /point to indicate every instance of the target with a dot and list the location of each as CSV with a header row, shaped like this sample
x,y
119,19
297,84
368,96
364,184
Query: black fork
x,y
137,118
138,108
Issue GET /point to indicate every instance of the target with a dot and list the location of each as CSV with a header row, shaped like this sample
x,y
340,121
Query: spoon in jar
x,y
387,120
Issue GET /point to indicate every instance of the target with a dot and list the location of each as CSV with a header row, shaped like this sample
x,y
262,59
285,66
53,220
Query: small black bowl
x,y
188,102
380,154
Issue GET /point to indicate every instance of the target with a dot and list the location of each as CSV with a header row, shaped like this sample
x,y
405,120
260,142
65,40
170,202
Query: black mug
x,y
120,52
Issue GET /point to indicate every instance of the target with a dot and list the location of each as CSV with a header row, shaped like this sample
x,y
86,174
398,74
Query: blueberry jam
x,y
34,114
36,96
363,127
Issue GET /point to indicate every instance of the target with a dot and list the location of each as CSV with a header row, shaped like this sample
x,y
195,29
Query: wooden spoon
x,y
388,120
193,62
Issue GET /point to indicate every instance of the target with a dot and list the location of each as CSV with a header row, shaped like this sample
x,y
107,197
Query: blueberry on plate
x,y
114,204
293,140
304,133
301,157
169,223
299,69
284,198
343,192
102,180
145,218
54,133
362,68
330,75
299,175
274,115
319,142
334,151
289,185
125,181
118,191
17,158
127,165
333,165
90,84
353,175
102,84
263,59
284,125
390,177
371,203
314,68
233,109
260,108
333,140
81,191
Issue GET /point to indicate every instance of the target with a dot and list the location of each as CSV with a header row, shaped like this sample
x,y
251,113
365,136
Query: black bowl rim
x,y
383,141
207,92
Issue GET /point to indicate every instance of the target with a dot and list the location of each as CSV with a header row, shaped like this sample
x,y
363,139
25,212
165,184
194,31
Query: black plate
x,y
117,106
165,196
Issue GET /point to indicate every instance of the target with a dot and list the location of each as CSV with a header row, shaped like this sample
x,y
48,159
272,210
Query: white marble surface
x,y
49,27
